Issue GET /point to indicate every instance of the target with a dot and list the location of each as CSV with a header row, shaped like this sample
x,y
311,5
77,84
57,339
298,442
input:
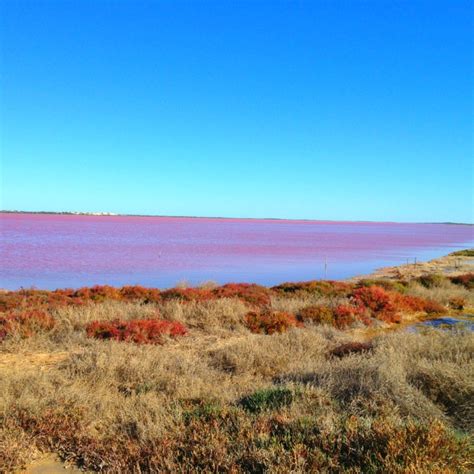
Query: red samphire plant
x,y
25,323
270,322
374,298
140,331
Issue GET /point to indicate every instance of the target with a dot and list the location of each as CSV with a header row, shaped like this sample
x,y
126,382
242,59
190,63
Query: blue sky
x,y
319,109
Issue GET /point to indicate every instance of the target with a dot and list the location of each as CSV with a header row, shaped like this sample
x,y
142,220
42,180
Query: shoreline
x,y
273,219
452,264
447,265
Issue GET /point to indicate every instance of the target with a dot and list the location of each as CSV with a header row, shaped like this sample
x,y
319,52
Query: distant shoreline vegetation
x,y
112,214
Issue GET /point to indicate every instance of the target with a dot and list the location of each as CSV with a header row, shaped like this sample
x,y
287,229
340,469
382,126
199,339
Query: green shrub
x,y
198,409
463,253
267,399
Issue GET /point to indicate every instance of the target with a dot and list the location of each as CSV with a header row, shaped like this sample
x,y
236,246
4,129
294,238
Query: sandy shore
x,y
451,265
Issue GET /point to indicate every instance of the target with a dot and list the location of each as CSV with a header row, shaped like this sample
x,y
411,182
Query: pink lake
x,y
51,251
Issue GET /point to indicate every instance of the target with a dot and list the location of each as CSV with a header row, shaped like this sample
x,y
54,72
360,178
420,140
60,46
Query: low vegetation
x,y
139,331
464,253
239,378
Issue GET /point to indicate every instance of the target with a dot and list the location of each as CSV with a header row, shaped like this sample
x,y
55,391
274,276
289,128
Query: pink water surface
x,y
50,251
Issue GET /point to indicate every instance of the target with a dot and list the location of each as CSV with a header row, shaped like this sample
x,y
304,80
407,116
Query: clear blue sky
x,y
318,109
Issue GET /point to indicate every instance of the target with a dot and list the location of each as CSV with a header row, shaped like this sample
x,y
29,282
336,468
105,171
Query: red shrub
x,y
140,331
31,299
270,322
252,294
98,293
316,315
10,300
346,315
388,305
68,296
187,294
339,288
255,295
414,304
431,307
457,302
375,299
25,323
466,280
134,293
407,303
321,287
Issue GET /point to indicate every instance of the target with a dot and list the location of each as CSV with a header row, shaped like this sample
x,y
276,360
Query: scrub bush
x,y
319,287
139,331
316,314
432,307
254,295
345,315
25,323
98,293
134,293
375,299
457,302
270,322
466,280
186,294
432,280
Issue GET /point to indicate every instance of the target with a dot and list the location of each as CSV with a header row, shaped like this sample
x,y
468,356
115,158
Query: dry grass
x,y
442,293
224,399
296,303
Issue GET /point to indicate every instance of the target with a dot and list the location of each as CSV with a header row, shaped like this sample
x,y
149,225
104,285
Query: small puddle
x,y
464,322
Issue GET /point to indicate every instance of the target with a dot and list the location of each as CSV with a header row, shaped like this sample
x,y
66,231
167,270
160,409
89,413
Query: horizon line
x,y
112,214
